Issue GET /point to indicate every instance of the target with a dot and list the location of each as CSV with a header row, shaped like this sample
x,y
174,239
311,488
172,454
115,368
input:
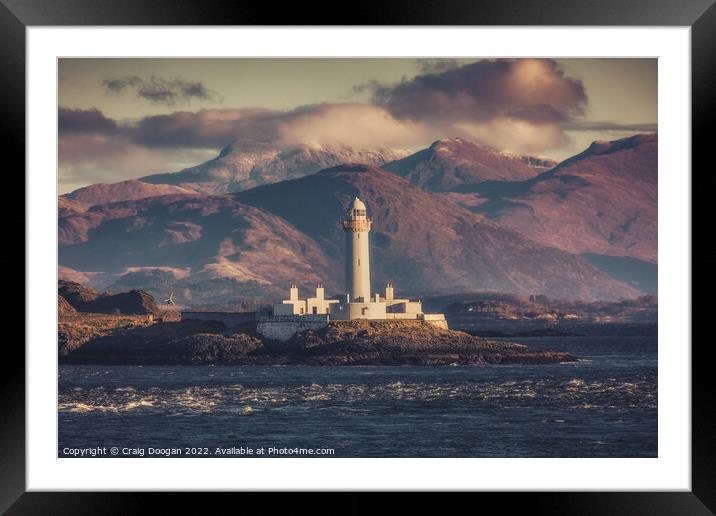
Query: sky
x,y
121,119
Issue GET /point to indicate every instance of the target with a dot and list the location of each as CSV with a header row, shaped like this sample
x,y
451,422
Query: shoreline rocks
x,y
340,343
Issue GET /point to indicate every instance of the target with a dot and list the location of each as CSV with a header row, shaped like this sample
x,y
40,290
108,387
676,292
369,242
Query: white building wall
x,y
297,307
366,311
322,306
437,320
404,306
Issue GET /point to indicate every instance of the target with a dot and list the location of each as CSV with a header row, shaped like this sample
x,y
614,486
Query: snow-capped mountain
x,y
240,167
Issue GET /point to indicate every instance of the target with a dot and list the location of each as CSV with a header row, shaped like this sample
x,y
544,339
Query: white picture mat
x,y
670,471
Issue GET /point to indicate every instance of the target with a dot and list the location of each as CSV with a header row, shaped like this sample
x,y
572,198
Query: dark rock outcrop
x,y
83,299
77,329
406,342
173,343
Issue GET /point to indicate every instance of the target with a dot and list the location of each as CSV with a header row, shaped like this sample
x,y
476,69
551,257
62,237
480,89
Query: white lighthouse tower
x,y
357,227
295,314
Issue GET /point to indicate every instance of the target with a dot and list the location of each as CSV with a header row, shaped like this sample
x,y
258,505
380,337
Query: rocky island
x,y
340,343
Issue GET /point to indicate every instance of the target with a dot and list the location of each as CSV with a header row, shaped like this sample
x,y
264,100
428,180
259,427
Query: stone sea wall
x,y
282,327
230,319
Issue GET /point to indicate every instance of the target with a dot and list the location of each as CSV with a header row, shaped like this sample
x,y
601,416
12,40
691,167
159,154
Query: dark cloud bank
x,y
72,121
533,90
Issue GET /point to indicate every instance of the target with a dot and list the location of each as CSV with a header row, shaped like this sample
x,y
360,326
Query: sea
x,y
605,405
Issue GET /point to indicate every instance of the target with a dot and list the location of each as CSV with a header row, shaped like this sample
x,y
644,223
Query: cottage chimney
x,y
389,292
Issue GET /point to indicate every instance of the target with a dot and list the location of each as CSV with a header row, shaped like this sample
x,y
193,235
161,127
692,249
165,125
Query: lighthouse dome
x,y
357,204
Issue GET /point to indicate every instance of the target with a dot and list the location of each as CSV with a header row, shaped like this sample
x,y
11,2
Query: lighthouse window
x,y
358,262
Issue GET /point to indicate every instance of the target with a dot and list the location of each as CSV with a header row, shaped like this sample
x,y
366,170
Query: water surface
x,y
603,406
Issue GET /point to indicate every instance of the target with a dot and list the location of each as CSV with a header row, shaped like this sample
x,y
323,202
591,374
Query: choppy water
x,y
605,406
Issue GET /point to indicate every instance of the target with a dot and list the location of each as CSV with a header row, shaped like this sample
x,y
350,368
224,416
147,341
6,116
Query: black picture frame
x,y
17,15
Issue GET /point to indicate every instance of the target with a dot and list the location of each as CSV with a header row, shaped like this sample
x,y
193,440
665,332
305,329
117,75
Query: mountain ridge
x,y
237,168
608,193
454,162
104,193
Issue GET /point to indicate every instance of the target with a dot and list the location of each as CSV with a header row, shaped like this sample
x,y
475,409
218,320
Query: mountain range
x,y
455,217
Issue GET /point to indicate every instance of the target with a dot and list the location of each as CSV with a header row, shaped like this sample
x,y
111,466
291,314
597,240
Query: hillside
x,y
104,193
426,244
454,162
224,249
602,201
208,249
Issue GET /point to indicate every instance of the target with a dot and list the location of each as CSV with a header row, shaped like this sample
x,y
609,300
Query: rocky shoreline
x,y
340,343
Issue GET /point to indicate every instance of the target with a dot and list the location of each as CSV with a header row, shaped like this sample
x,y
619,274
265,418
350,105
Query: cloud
x,y
521,105
511,104
120,83
94,148
518,136
158,90
359,125
438,65
610,126
84,121
206,128
533,90
86,158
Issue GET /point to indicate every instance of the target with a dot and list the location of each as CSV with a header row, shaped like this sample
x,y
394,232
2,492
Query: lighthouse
x,y
356,226
356,302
